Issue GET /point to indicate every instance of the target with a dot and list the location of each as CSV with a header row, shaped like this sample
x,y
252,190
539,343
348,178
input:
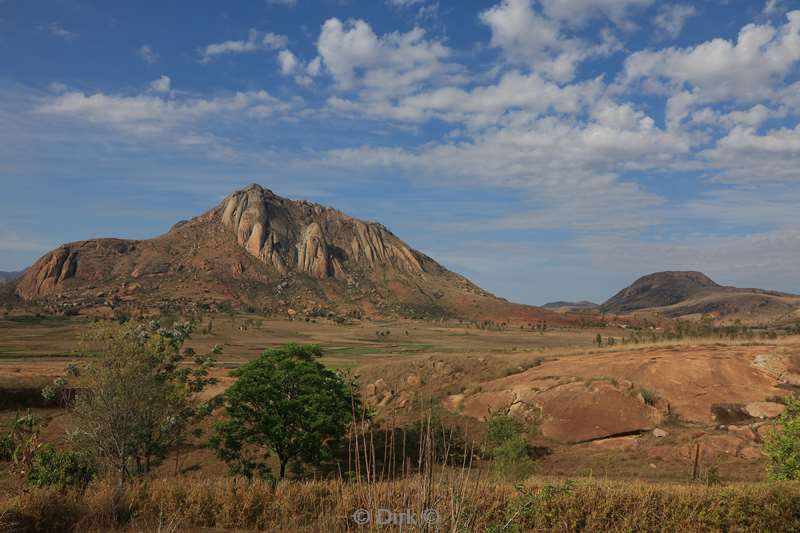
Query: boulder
x,y
764,409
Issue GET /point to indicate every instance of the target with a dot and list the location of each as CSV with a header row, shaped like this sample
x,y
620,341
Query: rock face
x,y
271,252
310,238
52,272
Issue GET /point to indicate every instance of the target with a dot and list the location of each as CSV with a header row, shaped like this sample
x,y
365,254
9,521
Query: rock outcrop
x,y
310,238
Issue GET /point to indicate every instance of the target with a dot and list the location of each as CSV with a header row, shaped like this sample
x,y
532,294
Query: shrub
x,y
782,446
60,468
505,438
649,396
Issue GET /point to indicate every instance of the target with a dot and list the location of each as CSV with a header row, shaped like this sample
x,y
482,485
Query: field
x,y
592,413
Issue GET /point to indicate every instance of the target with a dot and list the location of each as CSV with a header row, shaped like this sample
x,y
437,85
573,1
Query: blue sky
x,y
547,149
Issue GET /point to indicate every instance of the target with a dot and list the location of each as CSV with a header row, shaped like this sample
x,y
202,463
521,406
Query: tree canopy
x,y
288,403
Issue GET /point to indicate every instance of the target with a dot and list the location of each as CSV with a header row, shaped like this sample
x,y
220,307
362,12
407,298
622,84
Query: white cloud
x,y
255,41
287,61
528,37
745,156
161,85
749,70
148,114
147,54
483,106
59,31
393,64
671,18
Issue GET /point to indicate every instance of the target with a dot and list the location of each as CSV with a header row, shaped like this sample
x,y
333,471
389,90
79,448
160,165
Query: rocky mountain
x,y
676,294
260,250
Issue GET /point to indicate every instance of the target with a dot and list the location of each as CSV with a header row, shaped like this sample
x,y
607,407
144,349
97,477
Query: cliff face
x,y
310,238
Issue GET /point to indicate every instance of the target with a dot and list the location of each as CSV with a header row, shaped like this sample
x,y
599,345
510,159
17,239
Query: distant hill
x,y
562,306
260,250
10,276
679,293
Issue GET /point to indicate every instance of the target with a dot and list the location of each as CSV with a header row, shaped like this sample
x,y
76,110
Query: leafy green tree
x,y
782,444
137,394
288,403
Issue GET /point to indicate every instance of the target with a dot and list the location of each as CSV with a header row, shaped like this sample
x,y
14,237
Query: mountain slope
x,y
276,254
676,294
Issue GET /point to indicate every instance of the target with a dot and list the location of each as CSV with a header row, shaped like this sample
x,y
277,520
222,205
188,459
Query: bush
x,y
782,446
512,460
60,468
649,396
505,438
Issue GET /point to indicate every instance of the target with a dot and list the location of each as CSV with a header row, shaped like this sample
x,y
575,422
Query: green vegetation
x,y
506,442
137,396
60,468
782,444
286,402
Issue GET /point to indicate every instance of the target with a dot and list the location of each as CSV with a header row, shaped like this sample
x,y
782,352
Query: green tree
x,y
288,403
137,394
782,445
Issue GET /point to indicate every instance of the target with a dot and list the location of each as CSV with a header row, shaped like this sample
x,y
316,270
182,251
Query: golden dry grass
x,y
462,504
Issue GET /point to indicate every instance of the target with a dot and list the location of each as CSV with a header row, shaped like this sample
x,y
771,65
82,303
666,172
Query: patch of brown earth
x,y
598,395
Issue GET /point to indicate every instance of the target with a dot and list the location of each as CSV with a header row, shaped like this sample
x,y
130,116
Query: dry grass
x,y
462,505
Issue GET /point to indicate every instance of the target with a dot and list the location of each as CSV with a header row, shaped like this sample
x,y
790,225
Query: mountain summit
x,y
261,250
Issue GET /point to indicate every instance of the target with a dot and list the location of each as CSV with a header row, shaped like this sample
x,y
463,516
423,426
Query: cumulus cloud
x,y
255,41
534,39
748,70
392,64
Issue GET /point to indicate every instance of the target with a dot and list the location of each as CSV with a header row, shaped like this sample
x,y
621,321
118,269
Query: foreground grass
x,y
462,504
